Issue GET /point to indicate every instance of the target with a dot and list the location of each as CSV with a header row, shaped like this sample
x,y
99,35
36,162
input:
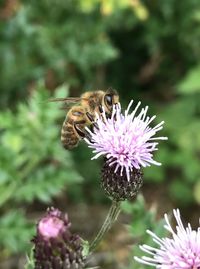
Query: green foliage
x,y
30,261
61,40
147,50
86,246
15,232
190,84
178,190
35,167
183,128
141,220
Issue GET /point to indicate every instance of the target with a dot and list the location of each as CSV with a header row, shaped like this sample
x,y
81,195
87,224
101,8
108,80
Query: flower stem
x,y
110,219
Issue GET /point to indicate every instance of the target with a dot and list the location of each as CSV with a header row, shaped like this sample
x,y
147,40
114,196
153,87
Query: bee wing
x,y
66,106
66,100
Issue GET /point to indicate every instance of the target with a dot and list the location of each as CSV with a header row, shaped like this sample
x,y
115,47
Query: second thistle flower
x,y
127,142
55,247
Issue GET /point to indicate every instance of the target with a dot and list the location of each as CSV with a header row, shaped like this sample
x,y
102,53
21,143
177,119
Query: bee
x,y
83,113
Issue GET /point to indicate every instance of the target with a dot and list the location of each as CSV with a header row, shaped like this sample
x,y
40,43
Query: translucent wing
x,y
66,100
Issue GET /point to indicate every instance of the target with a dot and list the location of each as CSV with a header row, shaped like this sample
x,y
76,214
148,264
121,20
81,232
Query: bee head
x,y
111,97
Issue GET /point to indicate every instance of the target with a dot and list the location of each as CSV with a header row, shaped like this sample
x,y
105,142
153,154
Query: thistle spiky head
x,y
55,247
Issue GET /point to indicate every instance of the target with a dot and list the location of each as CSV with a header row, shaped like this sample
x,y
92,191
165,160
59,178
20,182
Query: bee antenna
x,y
111,90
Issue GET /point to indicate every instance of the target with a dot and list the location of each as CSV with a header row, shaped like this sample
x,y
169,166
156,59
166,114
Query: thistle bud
x,y
55,246
116,184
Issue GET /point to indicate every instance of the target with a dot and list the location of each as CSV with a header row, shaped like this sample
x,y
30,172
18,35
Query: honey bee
x,y
83,113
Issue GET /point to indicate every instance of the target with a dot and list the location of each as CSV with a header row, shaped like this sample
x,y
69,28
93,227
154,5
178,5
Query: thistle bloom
x,y
55,246
181,251
52,225
127,142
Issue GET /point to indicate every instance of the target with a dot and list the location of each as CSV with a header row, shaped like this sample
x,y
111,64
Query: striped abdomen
x,y
69,136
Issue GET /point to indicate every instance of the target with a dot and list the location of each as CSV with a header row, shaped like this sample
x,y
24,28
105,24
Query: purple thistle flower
x,y
52,225
126,140
55,247
182,251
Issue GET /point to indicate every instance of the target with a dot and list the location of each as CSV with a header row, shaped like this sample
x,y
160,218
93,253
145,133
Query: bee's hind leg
x,y
91,118
79,131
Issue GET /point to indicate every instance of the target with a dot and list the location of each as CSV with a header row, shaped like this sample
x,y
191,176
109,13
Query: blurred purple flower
x,y
54,245
52,225
126,140
182,251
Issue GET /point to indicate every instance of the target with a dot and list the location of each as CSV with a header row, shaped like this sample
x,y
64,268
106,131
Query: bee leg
x,y
108,116
79,131
100,109
89,138
91,118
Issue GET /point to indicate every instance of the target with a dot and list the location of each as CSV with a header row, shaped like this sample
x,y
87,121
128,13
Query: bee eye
x,y
108,99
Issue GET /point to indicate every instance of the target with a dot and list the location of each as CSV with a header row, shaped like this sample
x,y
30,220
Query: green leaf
x,y
191,83
30,260
86,247
197,192
182,192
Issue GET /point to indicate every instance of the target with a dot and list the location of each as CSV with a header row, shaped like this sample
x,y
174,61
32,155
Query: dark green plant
x,y
59,44
35,167
141,220
91,45
180,156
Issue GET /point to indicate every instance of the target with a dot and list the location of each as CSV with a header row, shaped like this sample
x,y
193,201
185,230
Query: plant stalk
x,y
108,222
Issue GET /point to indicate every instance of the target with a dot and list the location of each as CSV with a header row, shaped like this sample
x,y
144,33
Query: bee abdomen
x,y
69,138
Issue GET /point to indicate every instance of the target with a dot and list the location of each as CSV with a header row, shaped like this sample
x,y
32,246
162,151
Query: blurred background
x,y
146,50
